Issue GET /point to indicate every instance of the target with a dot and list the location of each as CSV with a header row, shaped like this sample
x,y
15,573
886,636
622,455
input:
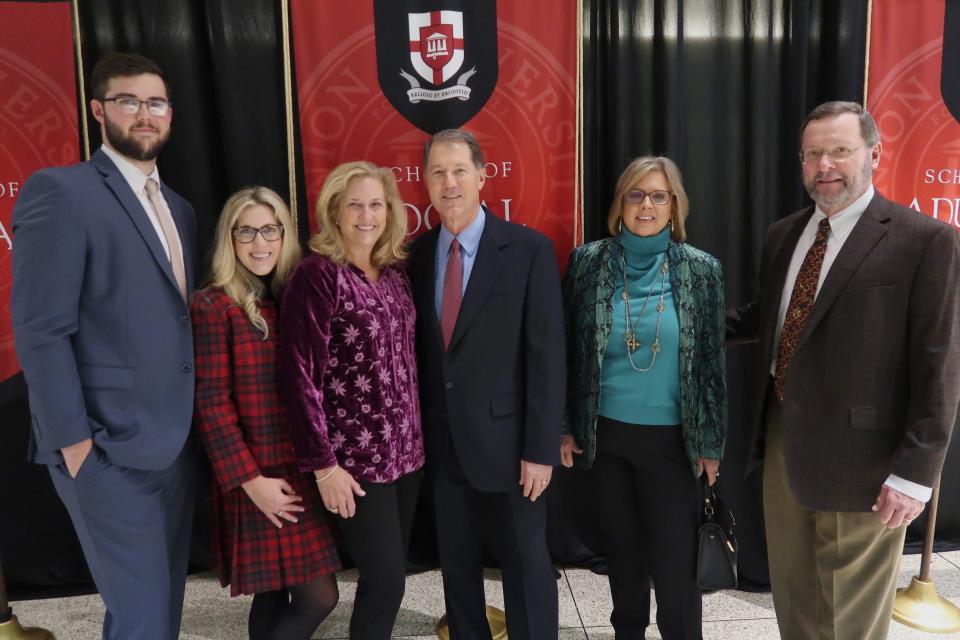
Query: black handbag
x,y
717,543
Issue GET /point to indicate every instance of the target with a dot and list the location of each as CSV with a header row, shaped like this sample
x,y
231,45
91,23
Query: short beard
x,y
845,195
129,147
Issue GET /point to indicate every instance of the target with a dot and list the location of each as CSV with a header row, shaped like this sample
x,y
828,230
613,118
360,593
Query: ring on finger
x,y
279,514
333,510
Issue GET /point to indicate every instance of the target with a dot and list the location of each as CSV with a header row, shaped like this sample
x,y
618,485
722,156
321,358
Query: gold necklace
x,y
630,333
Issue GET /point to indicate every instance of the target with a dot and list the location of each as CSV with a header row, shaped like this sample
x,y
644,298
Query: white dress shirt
x,y
138,182
841,224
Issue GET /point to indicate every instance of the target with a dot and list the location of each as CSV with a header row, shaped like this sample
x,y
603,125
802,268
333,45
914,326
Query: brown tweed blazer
x,y
874,385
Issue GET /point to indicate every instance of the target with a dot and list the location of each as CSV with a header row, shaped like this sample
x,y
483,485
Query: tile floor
x,y
584,608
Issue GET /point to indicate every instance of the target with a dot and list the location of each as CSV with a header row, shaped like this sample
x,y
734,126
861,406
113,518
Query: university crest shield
x,y
437,62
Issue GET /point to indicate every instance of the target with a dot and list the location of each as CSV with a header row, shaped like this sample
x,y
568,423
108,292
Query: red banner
x,y
38,120
912,91
375,77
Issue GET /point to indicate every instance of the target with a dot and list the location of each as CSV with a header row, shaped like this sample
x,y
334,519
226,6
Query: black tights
x,y
293,613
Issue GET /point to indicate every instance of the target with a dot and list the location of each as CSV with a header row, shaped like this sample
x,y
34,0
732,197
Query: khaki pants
x,y
833,574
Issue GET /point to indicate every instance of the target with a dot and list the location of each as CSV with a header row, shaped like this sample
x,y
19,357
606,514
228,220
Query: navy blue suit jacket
x,y
101,330
498,391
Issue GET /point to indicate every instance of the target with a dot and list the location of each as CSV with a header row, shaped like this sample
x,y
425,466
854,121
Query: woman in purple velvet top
x,y
348,372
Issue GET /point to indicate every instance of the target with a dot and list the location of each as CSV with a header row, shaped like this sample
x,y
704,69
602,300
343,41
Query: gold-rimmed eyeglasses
x,y
837,154
636,196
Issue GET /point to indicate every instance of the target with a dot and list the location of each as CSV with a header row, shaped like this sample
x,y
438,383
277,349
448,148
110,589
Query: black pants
x,y
515,531
649,504
376,538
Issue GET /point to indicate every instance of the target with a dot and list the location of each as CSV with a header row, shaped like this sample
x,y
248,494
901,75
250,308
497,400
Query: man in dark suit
x,y
490,350
103,259
858,319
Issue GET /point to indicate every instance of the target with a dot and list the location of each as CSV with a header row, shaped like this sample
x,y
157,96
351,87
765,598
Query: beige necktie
x,y
169,233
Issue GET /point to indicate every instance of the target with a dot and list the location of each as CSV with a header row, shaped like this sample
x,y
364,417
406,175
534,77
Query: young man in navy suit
x,y
103,260
492,368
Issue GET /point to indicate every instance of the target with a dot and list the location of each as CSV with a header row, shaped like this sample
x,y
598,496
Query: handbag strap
x,y
710,501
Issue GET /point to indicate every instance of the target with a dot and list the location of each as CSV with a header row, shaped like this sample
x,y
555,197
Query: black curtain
x,y
224,62
719,86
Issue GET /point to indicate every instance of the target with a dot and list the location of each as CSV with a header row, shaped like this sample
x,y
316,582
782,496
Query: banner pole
x,y
919,606
578,214
288,112
866,56
81,81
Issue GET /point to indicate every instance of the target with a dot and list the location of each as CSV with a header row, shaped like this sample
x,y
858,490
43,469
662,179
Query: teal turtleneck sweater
x,y
652,397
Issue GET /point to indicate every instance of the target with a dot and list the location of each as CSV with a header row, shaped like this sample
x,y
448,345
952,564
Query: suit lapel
x,y
425,285
486,268
131,205
681,281
863,238
603,295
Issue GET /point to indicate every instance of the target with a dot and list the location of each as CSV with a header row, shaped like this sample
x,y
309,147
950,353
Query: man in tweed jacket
x,y
858,319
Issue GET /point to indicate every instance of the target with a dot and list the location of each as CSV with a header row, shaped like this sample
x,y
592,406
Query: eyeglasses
x,y
131,106
269,232
837,154
636,196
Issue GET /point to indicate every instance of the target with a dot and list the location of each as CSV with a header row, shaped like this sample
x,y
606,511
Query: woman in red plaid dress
x,y
270,532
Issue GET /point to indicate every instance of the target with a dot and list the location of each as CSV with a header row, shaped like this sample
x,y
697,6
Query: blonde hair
x,y
637,169
328,241
240,285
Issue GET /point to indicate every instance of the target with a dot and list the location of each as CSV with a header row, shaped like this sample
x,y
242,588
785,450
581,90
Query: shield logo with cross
x,y
436,44
437,60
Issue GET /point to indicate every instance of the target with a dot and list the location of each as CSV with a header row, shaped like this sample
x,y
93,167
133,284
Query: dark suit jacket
x,y
498,391
874,384
101,330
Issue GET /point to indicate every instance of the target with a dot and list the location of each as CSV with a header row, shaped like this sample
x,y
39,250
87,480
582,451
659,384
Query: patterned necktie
x,y
452,293
169,233
801,303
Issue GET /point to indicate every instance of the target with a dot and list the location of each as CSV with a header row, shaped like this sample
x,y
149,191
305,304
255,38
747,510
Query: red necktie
x,y
801,303
452,293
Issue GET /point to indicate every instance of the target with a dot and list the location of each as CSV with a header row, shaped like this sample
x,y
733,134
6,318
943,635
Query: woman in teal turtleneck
x,y
646,402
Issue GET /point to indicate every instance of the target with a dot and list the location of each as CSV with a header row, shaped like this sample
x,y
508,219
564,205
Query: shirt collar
x,y
469,238
134,177
843,221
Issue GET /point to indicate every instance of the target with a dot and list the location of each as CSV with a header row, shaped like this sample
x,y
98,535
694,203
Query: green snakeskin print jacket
x,y
697,281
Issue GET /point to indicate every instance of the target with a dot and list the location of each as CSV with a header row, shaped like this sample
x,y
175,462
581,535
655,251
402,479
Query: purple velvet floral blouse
x,y
348,370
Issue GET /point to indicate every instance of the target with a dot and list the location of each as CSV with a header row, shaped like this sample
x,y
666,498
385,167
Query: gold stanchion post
x,y
495,618
10,628
920,606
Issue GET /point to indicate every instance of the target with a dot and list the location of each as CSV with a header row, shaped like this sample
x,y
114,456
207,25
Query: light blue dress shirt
x,y
469,240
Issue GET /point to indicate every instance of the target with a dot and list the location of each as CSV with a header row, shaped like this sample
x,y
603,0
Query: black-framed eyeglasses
x,y
837,154
131,106
636,196
269,232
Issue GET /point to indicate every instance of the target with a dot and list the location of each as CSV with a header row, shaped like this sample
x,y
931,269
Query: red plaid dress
x,y
243,426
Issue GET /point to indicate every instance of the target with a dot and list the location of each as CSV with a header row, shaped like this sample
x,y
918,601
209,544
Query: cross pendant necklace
x,y
630,333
